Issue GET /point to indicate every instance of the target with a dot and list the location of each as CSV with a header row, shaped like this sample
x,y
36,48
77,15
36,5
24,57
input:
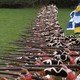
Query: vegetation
x,y
13,22
65,3
17,3
29,3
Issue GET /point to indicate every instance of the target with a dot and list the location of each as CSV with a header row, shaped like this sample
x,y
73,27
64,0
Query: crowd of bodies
x,y
48,33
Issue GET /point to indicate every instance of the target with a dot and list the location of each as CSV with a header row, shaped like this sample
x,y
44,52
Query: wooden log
x,y
45,49
38,67
19,69
47,66
20,61
46,55
9,73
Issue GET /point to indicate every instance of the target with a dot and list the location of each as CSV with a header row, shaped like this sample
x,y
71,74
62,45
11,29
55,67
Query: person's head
x,y
3,78
24,71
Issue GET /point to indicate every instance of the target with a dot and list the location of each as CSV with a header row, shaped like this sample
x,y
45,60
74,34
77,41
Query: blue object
x,y
79,1
77,24
69,25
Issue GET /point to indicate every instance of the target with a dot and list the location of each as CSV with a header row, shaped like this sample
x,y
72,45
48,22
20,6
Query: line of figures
x,y
44,52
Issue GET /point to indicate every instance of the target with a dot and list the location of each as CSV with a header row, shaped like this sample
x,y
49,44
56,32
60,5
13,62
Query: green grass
x,y
13,22
63,18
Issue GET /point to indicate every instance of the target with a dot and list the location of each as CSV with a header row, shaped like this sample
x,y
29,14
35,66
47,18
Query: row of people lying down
x,y
50,74
63,56
62,71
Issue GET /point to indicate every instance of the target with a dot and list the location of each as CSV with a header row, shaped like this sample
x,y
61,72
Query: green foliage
x,y
17,3
27,3
60,3
63,3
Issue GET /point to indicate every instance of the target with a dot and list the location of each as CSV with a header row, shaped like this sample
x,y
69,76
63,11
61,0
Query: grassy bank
x,y
13,22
